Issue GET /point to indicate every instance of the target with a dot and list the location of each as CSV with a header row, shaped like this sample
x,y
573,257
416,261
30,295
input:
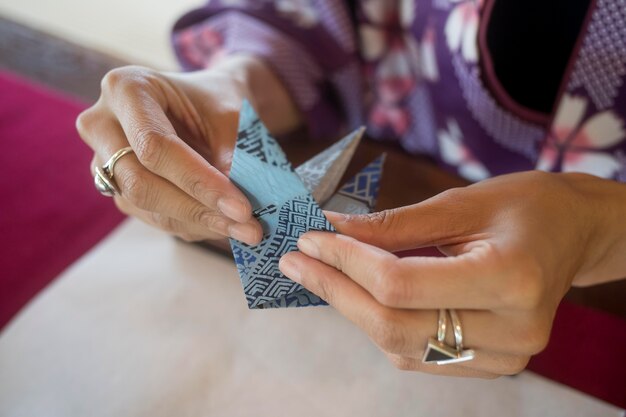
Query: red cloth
x,y
50,213
587,351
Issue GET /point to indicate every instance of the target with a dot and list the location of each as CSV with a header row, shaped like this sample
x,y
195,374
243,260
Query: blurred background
x,y
70,44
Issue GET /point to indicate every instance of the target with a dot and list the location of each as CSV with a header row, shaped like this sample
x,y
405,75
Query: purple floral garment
x,y
417,72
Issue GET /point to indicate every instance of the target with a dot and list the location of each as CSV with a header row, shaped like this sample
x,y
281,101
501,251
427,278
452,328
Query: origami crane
x,y
288,203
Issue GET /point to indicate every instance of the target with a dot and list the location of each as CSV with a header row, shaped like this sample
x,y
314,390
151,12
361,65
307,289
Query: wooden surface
x,y
420,177
406,179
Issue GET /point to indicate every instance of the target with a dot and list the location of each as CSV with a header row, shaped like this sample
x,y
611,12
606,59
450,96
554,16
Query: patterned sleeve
x,y
310,44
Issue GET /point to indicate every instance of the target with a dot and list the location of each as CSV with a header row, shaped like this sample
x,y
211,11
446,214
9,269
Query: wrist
x,y
603,211
262,87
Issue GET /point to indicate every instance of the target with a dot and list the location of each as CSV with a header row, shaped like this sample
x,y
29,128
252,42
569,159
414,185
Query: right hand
x,y
182,128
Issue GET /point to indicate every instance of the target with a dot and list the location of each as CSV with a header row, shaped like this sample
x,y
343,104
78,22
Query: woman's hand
x,y
182,128
515,245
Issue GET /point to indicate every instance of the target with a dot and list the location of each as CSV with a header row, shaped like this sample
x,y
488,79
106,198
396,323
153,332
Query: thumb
x,y
441,220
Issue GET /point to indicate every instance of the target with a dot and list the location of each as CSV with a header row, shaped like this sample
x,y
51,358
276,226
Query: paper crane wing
x,y
283,206
321,174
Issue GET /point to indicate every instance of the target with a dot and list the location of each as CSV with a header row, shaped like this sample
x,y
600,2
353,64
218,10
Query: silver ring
x,y
103,183
104,179
458,331
438,352
442,325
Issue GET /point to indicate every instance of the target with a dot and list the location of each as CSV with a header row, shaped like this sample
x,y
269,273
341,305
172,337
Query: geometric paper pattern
x,y
283,202
364,185
359,194
296,217
283,206
254,140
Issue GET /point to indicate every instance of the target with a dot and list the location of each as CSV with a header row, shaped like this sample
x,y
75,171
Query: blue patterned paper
x,y
359,194
283,206
364,185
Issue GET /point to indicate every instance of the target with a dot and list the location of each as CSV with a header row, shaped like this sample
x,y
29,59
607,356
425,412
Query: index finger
x,y
160,150
467,281
390,329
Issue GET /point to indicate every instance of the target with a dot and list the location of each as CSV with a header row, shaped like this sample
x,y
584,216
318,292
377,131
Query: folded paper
x,y
321,174
287,204
358,195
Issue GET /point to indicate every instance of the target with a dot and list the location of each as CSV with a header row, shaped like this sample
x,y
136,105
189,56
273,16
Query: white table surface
x,y
146,326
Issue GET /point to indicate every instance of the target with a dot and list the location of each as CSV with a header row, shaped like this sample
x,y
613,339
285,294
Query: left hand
x,y
515,244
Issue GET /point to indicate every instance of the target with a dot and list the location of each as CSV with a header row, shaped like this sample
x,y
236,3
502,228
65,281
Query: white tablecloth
x,y
146,326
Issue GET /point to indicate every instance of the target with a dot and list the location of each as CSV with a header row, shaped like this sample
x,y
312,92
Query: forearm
x,y
605,203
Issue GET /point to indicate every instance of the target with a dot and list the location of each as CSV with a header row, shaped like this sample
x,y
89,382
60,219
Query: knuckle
x,y
345,251
318,284
327,289
199,215
122,78
149,148
386,331
165,223
135,188
390,285
194,182
114,78
83,122
323,287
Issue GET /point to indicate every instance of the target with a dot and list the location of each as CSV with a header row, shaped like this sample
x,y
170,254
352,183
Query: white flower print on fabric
x,y
395,79
576,144
407,12
462,28
394,58
454,152
428,56
302,12
200,47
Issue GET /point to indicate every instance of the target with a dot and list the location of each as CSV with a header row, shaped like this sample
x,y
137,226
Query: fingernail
x,y
234,208
244,232
308,247
288,267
